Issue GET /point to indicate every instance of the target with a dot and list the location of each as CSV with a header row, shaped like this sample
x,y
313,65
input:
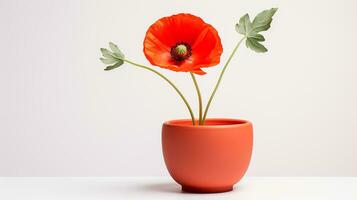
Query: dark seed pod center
x,y
180,51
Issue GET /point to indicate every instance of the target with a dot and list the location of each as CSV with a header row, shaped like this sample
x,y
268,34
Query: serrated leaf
x,y
244,25
116,65
263,20
251,29
114,47
119,55
240,27
116,50
108,60
106,53
114,59
258,37
247,24
254,45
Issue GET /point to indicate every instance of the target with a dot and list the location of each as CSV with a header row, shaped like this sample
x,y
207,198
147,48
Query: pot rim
x,y
215,123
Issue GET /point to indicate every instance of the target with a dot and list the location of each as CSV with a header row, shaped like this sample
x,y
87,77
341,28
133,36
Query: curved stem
x,y
172,84
199,97
220,79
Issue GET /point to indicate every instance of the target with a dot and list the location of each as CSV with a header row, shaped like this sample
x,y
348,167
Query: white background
x,y
62,115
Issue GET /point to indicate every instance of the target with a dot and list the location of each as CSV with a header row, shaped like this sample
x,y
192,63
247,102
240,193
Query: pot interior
x,y
208,122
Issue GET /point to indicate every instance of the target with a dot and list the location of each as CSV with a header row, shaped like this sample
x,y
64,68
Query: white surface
x,y
164,188
62,115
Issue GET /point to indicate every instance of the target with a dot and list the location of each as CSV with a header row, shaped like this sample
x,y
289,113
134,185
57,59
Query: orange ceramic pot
x,y
209,158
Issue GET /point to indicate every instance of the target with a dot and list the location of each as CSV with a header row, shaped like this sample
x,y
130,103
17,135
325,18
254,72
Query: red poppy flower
x,y
182,43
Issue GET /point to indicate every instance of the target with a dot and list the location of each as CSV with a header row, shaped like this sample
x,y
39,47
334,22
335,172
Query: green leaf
x,y
240,28
244,26
114,47
258,37
254,45
116,50
106,53
114,59
116,65
108,60
251,29
263,20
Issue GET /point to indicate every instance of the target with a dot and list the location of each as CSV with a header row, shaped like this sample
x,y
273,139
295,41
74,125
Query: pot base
x,y
206,190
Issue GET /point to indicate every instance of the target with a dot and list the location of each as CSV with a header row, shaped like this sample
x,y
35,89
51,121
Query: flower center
x,y
180,51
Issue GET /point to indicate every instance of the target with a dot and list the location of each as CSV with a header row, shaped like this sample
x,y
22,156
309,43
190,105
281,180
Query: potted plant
x,y
202,154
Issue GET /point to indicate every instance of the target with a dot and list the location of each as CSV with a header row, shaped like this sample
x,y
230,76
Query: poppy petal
x,y
207,51
204,43
198,71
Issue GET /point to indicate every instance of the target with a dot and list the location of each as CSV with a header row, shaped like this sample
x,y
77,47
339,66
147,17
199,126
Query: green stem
x,y
171,83
220,79
199,97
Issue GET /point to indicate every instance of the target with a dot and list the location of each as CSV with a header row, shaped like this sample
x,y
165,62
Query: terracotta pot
x,y
209,158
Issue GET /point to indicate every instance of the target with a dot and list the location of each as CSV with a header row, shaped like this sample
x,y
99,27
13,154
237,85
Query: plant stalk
x,y
220,79
199,97
171,83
